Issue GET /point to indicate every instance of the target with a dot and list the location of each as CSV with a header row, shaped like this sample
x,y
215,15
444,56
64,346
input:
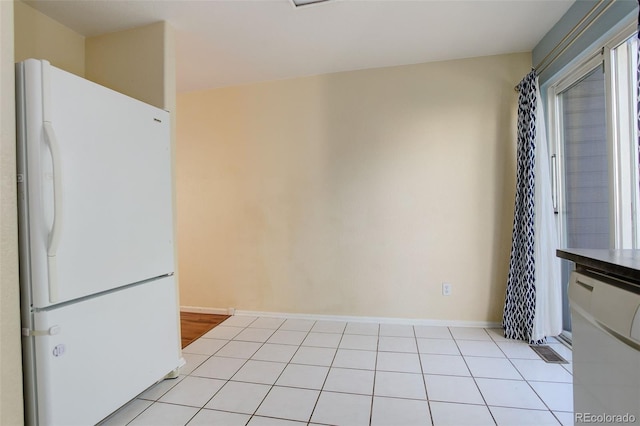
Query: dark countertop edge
x,y
621,263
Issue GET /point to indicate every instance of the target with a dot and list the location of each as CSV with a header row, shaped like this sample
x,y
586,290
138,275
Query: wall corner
x,y
11,400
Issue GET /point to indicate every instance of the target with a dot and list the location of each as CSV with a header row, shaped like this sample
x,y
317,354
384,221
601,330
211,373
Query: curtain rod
x,y
543,64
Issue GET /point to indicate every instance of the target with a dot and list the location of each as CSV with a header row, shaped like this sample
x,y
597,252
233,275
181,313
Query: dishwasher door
x,y
606,349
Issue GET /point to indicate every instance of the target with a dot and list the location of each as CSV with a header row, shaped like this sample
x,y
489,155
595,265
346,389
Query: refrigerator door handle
x,y
56,229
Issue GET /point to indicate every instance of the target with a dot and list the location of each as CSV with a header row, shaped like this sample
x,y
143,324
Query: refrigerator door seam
x,y
100,294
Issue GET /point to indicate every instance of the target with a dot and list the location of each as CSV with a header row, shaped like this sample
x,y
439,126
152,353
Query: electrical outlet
x,y
446,289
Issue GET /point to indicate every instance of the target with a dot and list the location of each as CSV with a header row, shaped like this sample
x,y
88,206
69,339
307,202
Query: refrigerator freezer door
x,y
91,366
98,186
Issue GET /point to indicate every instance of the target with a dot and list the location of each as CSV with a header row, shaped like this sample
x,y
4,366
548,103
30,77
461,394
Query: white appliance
x,y
605,319
98,298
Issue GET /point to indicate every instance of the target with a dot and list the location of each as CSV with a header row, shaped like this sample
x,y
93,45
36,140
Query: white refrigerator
x,y
100,320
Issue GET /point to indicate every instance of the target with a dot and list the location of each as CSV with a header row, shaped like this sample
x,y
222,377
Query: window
x,y
595,139
594,142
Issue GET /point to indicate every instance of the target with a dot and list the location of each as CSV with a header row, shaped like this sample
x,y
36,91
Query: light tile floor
x,y
272,371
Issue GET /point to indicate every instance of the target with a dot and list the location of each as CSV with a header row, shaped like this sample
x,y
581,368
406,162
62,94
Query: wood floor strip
x,y
194,325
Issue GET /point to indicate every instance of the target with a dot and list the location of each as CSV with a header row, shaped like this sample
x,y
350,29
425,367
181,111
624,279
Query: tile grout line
x,y
531,387
135,417
472,376
225,380
325,379
229,379
279,375
329,371
548,409
375,375
424,378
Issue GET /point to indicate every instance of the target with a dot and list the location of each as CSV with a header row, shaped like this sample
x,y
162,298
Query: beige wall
x,y
40,37
134,62
11,412
354,193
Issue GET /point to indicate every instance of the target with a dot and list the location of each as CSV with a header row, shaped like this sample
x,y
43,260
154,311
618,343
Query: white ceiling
x,y
233,42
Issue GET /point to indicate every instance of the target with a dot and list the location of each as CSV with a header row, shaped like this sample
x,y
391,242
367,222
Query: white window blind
x,y
586,162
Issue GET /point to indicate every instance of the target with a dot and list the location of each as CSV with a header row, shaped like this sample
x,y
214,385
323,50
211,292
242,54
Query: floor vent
x,y
548,354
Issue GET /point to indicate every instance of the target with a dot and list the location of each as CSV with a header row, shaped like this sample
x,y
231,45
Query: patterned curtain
x,y
520,304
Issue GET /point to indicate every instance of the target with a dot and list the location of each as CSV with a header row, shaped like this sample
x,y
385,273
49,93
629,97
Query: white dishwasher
x,y
606,348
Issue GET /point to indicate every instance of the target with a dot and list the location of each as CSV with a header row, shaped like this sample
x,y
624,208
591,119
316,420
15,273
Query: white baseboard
x,y
379,320
346,318
213,311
